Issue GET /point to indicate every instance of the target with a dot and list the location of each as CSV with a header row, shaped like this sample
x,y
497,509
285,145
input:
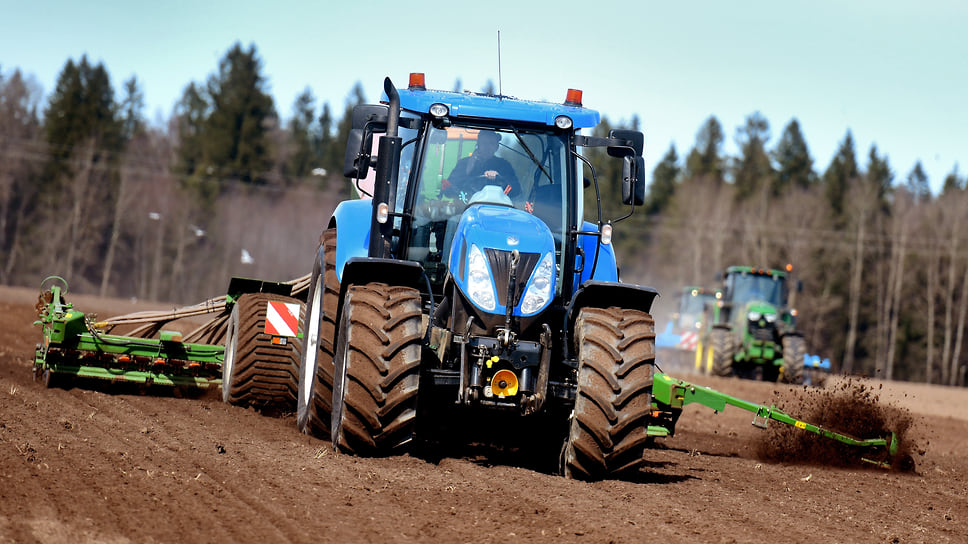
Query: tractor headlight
x,y
754,316
480,286
538,292
770,318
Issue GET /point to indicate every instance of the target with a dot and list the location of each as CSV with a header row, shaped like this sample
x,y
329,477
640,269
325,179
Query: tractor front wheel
x,y
608,430
722,352
377,370
256,371
794,351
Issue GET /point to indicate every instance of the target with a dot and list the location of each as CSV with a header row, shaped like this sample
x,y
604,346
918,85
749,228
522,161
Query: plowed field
x,y
99,465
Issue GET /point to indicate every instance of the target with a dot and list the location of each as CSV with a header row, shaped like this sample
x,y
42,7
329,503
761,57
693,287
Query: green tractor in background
x,y
754,335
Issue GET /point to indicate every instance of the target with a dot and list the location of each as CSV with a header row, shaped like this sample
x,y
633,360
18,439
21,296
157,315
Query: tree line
x,y
883,262
91,192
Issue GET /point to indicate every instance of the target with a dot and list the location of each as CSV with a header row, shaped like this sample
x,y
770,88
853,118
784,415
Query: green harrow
x,y
672,394
74,345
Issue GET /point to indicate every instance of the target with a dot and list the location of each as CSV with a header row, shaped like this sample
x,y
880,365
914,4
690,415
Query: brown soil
x,y
94,464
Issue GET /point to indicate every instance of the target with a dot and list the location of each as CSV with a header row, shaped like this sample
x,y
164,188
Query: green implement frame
x,y
672,394
74,346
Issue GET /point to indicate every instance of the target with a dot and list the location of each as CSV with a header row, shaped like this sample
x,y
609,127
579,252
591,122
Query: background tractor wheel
x,y
257,372
377,370
794,350
315,399
722,353
616,353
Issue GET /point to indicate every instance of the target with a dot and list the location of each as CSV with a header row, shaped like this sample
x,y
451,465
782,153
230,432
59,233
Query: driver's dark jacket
x,y
466,175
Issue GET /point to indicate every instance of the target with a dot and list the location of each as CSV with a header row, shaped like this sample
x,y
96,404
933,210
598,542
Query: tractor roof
x,y
757,271
470,105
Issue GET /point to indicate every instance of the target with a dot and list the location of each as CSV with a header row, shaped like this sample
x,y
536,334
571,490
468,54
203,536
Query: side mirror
x,y
372,117
634,139
633,180
799,286
367,120
356,161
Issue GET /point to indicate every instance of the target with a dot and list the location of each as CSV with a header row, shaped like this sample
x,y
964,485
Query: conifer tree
x,y
917,184
705,159
665,179
303,137
840,174
132,109
753,168
236,143
794,163
953,183
879,176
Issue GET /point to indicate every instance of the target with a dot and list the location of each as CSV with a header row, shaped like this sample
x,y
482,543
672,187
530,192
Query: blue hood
x,y
504,229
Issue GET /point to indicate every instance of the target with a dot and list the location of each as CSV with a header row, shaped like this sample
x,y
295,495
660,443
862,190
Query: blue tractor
x,y
466,298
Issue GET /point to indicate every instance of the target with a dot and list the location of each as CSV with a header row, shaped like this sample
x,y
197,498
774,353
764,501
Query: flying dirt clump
x,y
852,407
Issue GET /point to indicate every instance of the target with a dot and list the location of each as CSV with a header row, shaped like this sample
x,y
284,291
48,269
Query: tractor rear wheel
x,y
377,370
315,399
608,430
722,352
794,350
256,371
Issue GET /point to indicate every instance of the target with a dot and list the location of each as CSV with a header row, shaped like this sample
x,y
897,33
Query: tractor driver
x,y
482,168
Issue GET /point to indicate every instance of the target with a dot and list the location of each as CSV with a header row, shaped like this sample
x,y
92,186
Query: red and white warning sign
x,y
282,318
688,340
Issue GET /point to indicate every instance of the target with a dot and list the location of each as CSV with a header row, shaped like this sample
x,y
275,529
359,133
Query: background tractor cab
x,y
755,334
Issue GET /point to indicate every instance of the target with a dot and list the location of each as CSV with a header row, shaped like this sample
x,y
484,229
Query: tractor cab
x,y
487,197
463,166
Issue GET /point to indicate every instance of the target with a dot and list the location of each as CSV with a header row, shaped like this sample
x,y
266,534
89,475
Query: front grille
x,y
500,263
765,333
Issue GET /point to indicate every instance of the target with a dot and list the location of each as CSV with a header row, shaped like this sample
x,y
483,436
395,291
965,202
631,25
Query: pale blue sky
x,y
893,72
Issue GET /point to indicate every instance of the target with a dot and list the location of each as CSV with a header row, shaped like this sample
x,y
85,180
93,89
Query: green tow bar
x,y
675,393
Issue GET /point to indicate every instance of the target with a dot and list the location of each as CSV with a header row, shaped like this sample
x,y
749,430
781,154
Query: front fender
x,y
352,221
604,294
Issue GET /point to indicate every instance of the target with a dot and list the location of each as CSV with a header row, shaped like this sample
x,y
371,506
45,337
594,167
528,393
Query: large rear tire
x,y
377,370
794,350
608,430
722,352
315,399
257,372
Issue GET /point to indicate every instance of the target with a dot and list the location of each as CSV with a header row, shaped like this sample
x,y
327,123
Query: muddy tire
x,y
722,352
794,350
50,379
315,398
616,353
377,370
255,371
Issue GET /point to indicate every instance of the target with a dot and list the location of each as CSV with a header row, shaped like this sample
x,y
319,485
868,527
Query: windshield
x,y
461,164
755,287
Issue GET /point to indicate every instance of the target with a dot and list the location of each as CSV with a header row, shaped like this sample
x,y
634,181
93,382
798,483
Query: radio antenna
x,y
500,90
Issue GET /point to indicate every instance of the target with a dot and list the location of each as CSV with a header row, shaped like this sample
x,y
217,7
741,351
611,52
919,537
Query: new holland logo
x,y
282,318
